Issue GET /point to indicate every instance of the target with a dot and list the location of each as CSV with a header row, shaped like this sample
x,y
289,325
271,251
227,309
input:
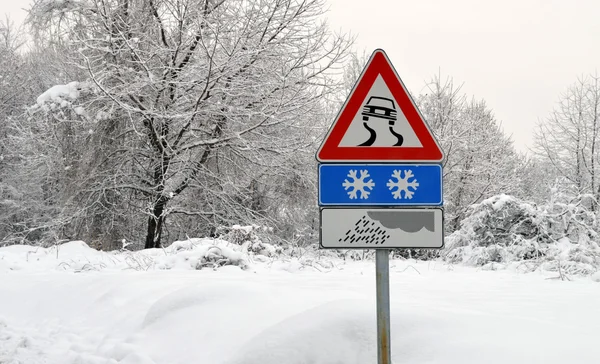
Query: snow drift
x,y
440,314
77,256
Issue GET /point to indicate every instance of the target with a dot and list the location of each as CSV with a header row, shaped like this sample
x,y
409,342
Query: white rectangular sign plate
x,y
382,228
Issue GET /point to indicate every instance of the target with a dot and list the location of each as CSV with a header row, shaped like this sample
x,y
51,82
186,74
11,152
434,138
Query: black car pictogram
x,y
379,107
384,108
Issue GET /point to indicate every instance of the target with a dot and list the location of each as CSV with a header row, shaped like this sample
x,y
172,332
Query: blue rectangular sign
x,y
380,184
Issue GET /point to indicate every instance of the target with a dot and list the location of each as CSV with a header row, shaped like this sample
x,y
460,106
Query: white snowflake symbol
x,y
359,184
403,184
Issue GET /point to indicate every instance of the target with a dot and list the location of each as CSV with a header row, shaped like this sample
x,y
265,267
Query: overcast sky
x,y
518,55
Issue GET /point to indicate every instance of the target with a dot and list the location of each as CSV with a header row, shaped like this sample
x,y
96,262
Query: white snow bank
x,y
271,317
341,331
188,297
345,332
191,254
72,256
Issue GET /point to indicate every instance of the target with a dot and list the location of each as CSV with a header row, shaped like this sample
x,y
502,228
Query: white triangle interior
x,y
358,134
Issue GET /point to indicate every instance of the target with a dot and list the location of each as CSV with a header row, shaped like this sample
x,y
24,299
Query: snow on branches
x,y
62,96
557,236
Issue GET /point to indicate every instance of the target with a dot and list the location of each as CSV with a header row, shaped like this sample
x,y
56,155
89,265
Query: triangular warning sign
x,y
379,122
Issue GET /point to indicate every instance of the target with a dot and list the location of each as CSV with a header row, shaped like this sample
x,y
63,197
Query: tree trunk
x,y
459,212
155,224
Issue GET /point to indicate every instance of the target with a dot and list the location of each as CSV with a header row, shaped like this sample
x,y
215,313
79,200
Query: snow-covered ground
x,y
74,305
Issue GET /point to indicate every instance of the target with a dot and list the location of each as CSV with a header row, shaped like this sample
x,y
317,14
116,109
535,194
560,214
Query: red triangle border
x,y
330,151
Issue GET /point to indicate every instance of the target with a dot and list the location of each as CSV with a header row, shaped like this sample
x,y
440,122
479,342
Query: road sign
x,y
381,228
368,178
379,122
380,184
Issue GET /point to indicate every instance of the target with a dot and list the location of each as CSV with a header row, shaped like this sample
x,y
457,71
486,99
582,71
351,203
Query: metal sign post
x,y
380,179
382,282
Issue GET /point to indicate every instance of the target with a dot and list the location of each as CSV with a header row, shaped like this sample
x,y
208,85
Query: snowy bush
x,y
558,236
253,239
202,253
238,234
499,229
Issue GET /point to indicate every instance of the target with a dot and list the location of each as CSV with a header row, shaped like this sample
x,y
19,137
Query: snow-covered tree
x,y
15,89
569,139
198,108
537,177
480,159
